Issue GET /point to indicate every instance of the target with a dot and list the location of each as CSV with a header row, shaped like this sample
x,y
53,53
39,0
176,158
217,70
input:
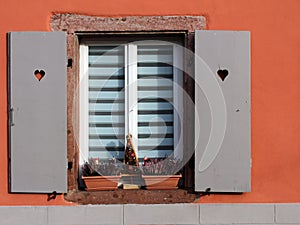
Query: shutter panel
x,y
222,111
155,101
38,112
106,102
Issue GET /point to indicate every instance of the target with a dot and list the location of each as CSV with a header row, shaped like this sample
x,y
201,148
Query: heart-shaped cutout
x,y
39,74
222,74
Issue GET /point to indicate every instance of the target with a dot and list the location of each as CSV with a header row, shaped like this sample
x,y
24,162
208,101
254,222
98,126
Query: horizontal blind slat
x,y
102,149
106,119
99,107
156,58
156,147
155,130
108,95
154,82
155,94
154,70
106,143
106,71
114,130
155,141
155,106
155,76
106,83
106,113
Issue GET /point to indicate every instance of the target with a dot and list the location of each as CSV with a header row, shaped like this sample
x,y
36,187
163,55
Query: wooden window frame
x,y
130,56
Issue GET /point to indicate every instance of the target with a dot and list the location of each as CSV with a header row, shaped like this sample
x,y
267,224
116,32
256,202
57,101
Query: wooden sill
x,y
140,196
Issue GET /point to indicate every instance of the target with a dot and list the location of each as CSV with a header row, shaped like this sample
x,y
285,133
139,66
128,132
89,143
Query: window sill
x,y
121,196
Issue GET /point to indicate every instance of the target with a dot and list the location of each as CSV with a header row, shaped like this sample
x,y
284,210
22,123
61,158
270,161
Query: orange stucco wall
x,y
274,26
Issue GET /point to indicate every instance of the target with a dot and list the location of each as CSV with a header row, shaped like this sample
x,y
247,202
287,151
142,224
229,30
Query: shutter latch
x,y
52,196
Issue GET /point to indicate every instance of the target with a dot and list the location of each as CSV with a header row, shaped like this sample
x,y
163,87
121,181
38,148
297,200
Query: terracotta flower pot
x,y
101,183
162,182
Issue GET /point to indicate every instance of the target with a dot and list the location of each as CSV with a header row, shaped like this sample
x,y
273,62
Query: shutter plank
x,y
222,110
38,141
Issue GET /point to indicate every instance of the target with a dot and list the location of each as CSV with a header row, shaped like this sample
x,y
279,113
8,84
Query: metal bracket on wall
x,y
52,196
11,118
70,63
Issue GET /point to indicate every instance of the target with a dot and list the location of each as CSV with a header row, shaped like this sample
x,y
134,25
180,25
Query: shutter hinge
x,y
70,165
11,118
70,63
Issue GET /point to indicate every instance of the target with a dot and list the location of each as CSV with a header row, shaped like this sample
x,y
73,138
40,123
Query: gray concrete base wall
x,y
180,214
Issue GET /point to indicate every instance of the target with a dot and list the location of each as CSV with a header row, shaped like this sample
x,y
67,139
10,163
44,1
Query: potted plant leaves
x,y
101,174
163,174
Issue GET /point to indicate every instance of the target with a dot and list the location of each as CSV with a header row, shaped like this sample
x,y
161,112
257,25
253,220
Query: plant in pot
x,y
101,174
163,174
131,174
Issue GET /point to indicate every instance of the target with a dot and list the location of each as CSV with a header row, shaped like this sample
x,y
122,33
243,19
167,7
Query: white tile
x,y
81,215
161,214
236,213
288,213
23,215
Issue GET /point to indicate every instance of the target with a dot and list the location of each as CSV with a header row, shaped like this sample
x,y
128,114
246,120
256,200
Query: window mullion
x,y
84,104
131,90
126,84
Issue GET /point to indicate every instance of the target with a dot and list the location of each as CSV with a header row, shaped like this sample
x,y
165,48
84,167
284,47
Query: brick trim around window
x,y
74,24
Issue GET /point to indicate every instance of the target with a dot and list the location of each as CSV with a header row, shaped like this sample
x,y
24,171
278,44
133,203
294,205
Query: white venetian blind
x,y
106,101
155,97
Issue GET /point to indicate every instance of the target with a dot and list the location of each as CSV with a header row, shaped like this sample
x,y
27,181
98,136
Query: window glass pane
x,y
155,97
106,102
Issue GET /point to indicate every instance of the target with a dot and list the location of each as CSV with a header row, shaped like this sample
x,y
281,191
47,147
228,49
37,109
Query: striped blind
x,y
106,101
155,119
155,97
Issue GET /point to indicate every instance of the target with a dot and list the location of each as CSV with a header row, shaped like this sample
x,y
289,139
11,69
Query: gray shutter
x,y
222,111
37,122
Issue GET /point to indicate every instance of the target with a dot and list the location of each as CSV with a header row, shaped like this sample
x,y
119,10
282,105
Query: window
x,y
221,163
130,87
